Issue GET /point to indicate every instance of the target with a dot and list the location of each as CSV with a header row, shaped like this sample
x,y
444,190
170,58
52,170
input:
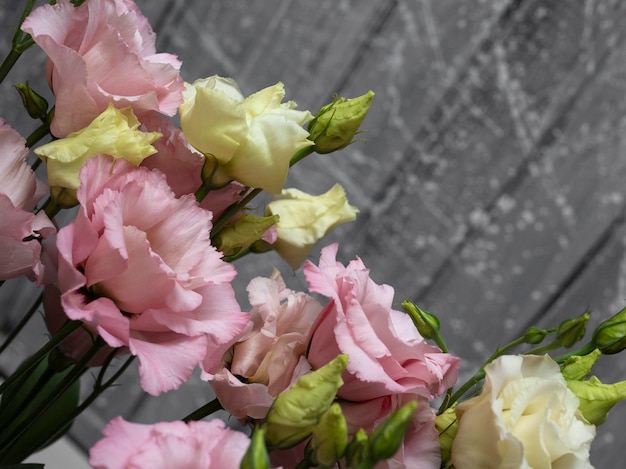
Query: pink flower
x,y
182,166
102,52
271,355
20,230
166,445
387,354
138,268
420,448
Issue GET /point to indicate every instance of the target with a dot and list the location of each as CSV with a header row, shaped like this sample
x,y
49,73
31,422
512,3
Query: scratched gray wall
x,y
491,183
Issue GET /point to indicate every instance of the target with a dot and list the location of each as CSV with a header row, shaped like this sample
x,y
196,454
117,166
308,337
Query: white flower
x,y
526,417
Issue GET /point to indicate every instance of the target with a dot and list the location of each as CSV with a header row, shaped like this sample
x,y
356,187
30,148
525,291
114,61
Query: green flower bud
x,y
388,436
298,410
335,125
427,324
572,330
597,398
256,456
610,335
534,335
578,367
236,238
330,438
357,451
447,426
35,104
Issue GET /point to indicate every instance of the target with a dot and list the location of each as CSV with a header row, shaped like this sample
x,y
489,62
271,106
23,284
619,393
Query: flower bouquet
x,y
151,192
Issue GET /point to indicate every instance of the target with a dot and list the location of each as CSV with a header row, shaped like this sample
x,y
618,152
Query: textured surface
x,y
491,183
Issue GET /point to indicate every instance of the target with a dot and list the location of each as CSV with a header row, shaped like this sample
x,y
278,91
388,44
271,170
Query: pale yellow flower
x,y
252,139
305,219
115,132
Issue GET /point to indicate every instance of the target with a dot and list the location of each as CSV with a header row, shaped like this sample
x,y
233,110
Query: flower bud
x,y
256,456
610,335
572,330
534,335
388,436
578,367
357,452
335,124
296,411
447,426
427,324
236,237
35,104
597,398
330,438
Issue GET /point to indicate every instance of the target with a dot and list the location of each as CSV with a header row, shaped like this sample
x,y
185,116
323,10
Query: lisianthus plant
x,y
140,269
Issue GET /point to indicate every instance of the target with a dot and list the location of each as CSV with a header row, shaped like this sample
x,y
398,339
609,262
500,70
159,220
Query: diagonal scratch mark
x,y
433,36
516,100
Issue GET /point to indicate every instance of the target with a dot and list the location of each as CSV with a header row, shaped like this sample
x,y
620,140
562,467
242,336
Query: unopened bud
x,y
534,335
426,323
572,330
330,438
388,436
35,104
298,410
610,335
357,451
256,456
447,426
236,237
335,125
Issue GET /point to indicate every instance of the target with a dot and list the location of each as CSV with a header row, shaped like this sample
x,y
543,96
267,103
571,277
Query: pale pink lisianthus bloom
x,y
166,445
138,268
182,166
20,230
387,353
99,53
270,356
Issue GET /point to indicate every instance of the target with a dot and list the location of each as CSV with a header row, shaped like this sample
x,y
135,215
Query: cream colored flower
x,y
114,133
526,417
305,219
252,139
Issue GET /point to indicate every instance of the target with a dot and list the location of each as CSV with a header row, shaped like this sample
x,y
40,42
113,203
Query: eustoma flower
x,y
251,140
389,362
20,191
305,219
271,355
525,417
99,53
138,268
166,445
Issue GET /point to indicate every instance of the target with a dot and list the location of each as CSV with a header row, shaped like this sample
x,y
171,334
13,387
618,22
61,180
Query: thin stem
x,y
99,388
39,133
30,363
233,210
301,154
20,43
56,393
581,352
205,410
22,323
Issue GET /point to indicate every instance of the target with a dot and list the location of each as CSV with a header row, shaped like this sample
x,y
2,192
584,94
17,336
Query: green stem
x,y
20,43
582,351
99,388
22,323
51,208
231,211
30,363
544,348
75,374
301,154
39,133
205,410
